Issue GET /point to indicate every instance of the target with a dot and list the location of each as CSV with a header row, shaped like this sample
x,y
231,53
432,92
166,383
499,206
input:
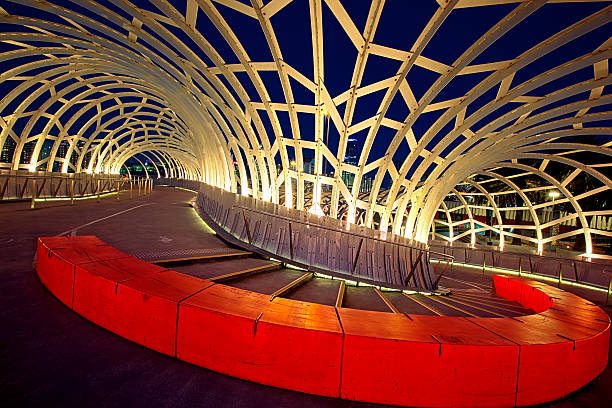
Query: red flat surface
x,y
394,360
356,354
295,345
553,370
86,240
52,242
216,330
303,345
185,284
78,255
533,329
134,299
122,268
595,319
230,300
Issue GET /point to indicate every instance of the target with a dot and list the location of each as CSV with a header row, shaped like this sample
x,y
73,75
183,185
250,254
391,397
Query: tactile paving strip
x,y
185,253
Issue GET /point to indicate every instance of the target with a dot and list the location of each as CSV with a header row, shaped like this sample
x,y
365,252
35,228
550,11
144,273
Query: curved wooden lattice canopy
x,y
391,116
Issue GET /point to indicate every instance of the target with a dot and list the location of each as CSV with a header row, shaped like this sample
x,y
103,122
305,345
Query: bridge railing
x,y
16,185
596,273
318,243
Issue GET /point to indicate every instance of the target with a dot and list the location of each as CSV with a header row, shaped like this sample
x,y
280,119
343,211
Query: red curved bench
x,y
347,353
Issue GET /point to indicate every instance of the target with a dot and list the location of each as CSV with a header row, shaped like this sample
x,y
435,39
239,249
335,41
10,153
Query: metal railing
x,y
320,244
595,275
22,185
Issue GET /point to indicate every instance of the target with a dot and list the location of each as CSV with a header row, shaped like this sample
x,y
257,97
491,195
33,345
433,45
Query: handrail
x,y
272,229
22,185
536,260
355,234
517,253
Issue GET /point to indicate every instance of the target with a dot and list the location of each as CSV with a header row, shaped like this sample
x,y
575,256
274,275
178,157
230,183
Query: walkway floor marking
x,y
72,231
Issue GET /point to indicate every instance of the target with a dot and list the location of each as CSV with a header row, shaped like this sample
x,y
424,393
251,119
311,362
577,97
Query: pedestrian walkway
x,y
52,357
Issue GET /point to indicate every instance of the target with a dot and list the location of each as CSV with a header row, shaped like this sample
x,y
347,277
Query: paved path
x,y
49,356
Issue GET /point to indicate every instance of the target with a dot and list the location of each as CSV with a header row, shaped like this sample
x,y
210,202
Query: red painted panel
x,y
130,265
96,294
390,371
595,319
524,291
86,240
300,346
230,301
504,288
77,254
216,330
553,370
147,311
133,299
515,289
534,299
395,360
55,273
302,343
53,242
294,345
590,359
533,329
189,285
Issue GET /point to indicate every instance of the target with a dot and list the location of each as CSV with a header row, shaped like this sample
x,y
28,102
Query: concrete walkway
x,y
49,356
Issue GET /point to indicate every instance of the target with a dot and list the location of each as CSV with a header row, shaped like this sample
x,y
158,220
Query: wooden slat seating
x,y
361,355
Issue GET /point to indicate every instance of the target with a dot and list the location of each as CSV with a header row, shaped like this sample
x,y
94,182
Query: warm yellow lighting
x,y
316,209
529,275
31,167
554,194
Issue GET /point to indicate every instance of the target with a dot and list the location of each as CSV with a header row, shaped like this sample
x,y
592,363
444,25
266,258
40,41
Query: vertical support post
x,y
131,186
71,191
98,189
118,187
290,241
357,257
520,260
530,266
4,187
138,187
560,277
246,224
34,191
484,262
575,271
25,185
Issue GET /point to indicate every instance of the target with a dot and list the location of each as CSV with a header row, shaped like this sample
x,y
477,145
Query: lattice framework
x,y
103,81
